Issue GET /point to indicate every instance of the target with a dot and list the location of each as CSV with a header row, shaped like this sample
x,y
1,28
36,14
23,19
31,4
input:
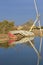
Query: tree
x,y
6,26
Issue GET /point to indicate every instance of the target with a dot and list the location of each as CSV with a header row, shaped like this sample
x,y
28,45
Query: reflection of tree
x,y
5,45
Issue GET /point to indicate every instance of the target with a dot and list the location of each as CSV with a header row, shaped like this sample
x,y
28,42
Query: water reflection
x,y
40,49
6,45
24,40
24,56
28,44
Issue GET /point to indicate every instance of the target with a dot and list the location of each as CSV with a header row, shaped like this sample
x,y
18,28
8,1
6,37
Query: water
x,y
20,54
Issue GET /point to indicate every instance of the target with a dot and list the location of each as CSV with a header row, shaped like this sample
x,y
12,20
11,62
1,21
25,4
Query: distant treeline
x,y
6,26
36,27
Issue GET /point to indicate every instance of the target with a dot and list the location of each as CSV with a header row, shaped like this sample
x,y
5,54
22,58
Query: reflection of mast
x,y
37,19
28,43
25,39
40,32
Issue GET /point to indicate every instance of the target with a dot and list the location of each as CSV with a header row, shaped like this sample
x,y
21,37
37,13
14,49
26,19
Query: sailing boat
x,y
27,33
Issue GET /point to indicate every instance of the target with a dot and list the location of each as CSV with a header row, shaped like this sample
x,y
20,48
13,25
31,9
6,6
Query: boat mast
x,y
37,19
37,15
40,46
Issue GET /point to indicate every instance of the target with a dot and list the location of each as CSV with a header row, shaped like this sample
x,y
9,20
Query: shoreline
x,y
37,32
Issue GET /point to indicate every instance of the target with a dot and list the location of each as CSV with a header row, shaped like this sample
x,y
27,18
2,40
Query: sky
x,y
20,11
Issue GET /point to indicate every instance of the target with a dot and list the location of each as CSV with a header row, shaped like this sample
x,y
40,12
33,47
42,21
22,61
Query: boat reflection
x,y
6,45
27,40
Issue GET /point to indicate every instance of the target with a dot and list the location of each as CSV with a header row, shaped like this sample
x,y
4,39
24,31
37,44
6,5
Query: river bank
x,y
37,32
5,37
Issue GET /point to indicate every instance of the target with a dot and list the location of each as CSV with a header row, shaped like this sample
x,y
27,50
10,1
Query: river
x,y
21,54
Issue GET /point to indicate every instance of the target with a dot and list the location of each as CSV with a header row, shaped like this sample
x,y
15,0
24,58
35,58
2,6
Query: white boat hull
x,y
23,40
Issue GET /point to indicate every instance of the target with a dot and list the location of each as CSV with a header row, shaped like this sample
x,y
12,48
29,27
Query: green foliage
x,y
6,26
42,27
4,45
27,25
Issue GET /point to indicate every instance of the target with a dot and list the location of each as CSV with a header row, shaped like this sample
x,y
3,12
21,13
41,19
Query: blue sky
x,y
20,11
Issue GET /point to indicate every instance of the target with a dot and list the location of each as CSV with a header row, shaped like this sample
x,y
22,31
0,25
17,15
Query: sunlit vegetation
x,y
27,25
41,27
6,26
4,45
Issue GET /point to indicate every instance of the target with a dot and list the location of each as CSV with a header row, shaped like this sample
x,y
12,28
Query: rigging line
x,y
36,17
40,31
35,49
40,52
34,24
41,36
40,42
36,7
24,40
39,23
